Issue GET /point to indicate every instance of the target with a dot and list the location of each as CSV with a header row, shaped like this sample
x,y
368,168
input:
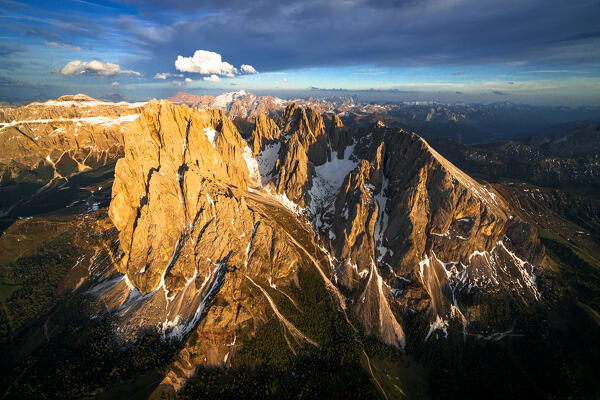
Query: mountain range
x,y
245,246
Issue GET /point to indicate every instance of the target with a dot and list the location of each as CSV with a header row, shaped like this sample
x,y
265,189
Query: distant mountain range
x,y
568,160
466,123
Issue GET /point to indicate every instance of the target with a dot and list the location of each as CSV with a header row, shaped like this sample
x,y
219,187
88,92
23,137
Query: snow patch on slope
x,y
224,100
266,161
438,324
286,202
382,220
253,168
211,134
326,185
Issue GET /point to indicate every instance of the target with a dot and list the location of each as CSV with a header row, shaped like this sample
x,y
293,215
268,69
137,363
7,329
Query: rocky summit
x,y
300,245
214,233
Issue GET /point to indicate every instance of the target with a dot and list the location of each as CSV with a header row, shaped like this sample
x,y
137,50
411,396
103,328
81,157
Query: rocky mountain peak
x,y
305,121
339,137
393,223
172,152
417,216
265,130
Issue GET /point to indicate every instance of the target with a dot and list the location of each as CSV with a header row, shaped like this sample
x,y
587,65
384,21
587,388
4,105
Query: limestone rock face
x,y
191,100
172,152
251,106
427,202
294,170
307,124
417,216
66,107
357,213
200,251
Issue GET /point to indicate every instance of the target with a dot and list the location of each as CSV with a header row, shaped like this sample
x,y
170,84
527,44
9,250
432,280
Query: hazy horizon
x,y
363,96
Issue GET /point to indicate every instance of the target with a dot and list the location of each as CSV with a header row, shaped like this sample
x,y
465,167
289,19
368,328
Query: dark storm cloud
x,y
499,93
274,35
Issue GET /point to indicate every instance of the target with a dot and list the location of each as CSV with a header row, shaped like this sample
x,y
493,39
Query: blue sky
x,y
530,51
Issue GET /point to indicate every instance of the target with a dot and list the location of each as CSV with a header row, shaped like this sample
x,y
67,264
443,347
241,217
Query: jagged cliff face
x,y
306,145
394,213
172,154
265,132
214,231
419,218
191,230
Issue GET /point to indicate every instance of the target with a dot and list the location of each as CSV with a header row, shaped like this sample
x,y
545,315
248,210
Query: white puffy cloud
x,y
205,62
212,78
94,68
114,84
165,75
248,69
284,79
188,80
